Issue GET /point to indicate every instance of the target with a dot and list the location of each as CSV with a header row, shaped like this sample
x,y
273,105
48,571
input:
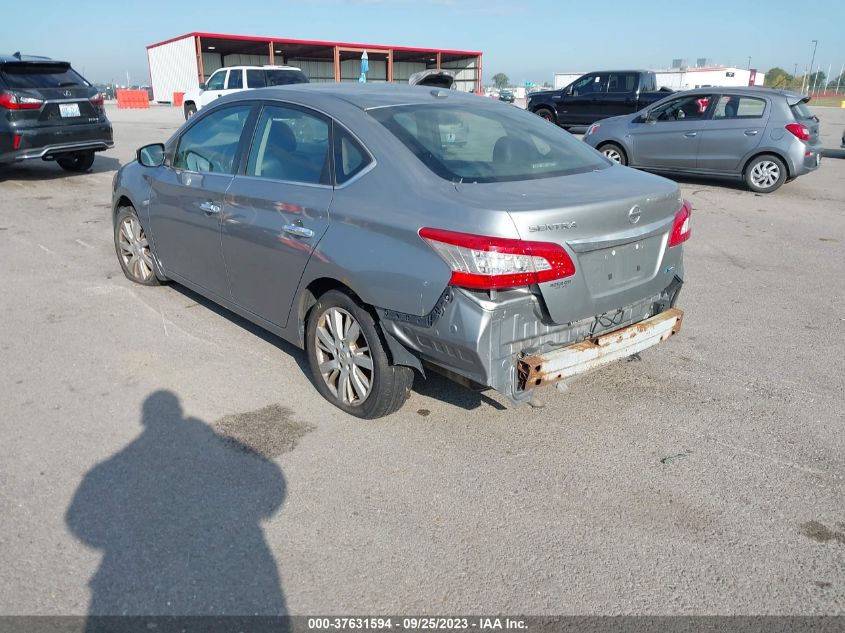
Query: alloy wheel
x,y
135,249
765,174
343,355
613,155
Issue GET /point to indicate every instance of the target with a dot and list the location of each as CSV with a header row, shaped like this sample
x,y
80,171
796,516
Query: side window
x,y
690,107
255,78
587,85
290,145
736,107
622,82
236,79
217,80
210,145
349,157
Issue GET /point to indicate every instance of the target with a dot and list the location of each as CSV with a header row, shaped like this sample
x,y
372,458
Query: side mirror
x,y
202,86
151,155
647,117
569,91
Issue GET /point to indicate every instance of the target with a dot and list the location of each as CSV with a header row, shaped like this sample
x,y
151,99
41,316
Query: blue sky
x,y
526,40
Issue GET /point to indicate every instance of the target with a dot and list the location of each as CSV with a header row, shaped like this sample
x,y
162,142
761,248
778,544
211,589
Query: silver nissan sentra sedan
x,y
392,230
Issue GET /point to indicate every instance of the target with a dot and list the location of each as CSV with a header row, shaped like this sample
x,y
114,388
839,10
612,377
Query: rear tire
x,y
545,113
765,174
78,163
613,152
348,362
190,110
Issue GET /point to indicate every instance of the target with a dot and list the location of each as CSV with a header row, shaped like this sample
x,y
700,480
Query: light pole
x,y
812,61
749,62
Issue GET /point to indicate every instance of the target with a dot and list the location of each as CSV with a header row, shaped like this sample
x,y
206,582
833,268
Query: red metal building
x,y
182,63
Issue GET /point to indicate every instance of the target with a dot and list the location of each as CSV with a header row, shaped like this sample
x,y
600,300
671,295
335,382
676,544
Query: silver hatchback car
x,y
354,221
764,137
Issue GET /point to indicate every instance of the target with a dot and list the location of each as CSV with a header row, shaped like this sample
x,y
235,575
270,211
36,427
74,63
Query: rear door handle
x,y
750,132
210,208
691,134
299,231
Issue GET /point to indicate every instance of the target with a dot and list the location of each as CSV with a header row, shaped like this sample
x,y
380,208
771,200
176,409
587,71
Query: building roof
x,y
230,44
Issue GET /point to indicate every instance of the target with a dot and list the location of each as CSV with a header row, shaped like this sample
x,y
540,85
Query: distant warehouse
x,y
182,63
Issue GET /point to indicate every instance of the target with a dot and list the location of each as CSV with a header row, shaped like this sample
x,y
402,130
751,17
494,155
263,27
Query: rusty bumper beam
x,y
537,370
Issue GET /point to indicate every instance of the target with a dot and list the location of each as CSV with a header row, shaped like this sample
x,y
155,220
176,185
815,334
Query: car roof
x,y
264,67
361,95
748,90
615,70
9,58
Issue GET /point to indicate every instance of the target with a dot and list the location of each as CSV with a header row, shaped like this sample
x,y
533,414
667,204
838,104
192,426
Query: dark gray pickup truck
x,y
596,96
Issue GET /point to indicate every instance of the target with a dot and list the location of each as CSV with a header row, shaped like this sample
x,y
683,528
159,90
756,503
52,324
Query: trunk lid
x,y
805,116
433,77
615,225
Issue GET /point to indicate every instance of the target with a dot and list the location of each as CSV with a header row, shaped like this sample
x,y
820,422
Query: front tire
x,y
614,153
545,113
765,174
78,163
133,248
348,362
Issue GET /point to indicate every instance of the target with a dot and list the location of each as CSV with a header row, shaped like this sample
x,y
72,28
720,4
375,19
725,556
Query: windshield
x,y
486,144
28,76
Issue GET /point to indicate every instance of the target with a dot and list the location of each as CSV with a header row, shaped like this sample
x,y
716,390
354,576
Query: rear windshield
x,y
285,77
802,111
27,76
486,144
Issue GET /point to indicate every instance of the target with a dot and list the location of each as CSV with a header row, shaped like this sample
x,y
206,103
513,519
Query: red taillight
x,y
97,99
12,101
479,261
16,142
798,130
681,229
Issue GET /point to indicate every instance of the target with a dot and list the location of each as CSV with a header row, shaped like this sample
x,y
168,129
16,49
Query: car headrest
x,y
281,137
510,150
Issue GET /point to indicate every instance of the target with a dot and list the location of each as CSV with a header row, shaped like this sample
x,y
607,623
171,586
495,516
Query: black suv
x,y
48,111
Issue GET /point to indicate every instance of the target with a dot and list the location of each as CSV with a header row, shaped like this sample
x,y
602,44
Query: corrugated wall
x,y
350,70
467,73
214,61
317,71
173,68
403,70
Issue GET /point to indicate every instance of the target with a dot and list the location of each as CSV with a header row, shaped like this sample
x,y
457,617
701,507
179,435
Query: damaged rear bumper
x,y
536,370
494,341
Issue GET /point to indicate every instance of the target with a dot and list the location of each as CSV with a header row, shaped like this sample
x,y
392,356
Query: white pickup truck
x,y
236,78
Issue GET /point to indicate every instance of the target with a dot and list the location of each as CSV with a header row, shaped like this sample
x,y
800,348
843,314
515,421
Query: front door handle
x,y
299,231
750,132
691,134
210,208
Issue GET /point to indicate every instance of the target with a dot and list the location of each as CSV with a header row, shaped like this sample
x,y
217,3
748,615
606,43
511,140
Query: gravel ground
x,y
160,455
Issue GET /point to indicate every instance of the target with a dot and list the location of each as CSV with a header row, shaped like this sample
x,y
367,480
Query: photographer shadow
x,y
177,516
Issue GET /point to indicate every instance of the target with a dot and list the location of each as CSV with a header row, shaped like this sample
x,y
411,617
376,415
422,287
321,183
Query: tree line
x,y
817,81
